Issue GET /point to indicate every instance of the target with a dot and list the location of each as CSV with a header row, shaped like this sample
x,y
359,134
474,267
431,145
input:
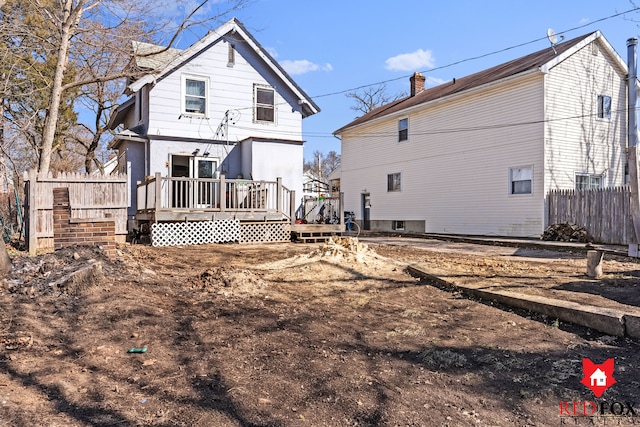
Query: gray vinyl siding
x,y
230,88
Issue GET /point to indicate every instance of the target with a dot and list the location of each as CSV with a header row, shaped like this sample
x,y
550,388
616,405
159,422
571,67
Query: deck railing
x,y
159,193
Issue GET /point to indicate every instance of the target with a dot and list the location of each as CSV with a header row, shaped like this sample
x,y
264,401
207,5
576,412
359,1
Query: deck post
x,y
341,207
292,206
158,194
223,193
279,205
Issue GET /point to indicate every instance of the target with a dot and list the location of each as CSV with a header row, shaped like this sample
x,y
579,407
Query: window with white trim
x,y
264,104
585,181
403,130
604,107
195,94
397,225
521,180
394,182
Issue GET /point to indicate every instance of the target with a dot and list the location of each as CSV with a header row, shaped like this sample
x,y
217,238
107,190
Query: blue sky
x,y
332,47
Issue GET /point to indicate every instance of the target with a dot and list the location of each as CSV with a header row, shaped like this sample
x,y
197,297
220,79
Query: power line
x,y
477,57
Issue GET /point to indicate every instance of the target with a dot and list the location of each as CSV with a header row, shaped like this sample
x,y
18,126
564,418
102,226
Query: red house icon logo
x,y
598,378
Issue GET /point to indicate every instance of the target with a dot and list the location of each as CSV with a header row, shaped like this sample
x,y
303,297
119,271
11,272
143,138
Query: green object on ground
x,y
137,350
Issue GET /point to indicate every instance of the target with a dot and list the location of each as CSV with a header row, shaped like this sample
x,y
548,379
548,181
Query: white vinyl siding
x,y
454,178
576,139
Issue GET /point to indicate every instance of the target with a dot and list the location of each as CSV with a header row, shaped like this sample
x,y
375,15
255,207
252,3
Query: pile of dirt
x,y
566,232
69,270
228,281
337,250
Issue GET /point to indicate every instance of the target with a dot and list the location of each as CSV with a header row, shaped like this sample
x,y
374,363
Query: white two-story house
x,y
221,108
478,154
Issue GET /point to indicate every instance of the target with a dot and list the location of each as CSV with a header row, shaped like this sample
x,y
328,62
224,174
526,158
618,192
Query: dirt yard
x,y
301,335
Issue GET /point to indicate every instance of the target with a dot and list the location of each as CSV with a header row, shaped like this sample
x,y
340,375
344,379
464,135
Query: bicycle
x,y
351,229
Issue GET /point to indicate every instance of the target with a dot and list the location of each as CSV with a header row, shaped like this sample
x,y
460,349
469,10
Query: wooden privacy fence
x,y
91,197
604,213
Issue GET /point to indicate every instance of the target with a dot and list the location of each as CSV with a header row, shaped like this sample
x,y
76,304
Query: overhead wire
x,y
452,130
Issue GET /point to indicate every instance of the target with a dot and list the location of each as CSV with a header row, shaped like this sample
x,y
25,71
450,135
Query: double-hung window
x,y
264,104
394,182
521,180
403,130
588,182
195,91
604,107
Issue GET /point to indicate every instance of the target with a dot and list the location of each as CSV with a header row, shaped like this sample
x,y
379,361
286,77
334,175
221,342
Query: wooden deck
x,y
166,199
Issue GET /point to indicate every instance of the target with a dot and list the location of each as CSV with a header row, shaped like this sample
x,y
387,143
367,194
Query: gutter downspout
x,y
632,123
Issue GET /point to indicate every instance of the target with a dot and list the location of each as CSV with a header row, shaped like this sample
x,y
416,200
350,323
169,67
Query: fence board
x,y
604,213
90,196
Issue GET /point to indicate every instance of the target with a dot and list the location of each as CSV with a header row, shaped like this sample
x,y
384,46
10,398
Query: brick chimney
x,y
417,83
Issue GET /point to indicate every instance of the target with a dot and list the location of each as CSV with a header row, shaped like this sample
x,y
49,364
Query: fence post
x,y
32,211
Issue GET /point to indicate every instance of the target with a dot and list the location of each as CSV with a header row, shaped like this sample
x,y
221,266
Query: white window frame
x,y
403,132
397,225
514,172
391,185
257,87
589,184
204,79
601,112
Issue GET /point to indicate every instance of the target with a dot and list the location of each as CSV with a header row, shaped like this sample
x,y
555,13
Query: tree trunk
x,y
5,261
51,121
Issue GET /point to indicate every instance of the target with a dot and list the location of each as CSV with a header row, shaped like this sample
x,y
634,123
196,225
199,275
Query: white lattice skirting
x,y
219,231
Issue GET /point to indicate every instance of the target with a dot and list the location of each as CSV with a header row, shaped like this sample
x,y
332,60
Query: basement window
x,y
397,225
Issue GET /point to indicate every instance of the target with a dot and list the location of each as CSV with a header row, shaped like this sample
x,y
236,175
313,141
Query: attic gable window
x,y
264,104
231,56
604,107
195,91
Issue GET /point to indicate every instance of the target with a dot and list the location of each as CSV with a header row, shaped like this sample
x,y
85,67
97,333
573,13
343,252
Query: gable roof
x,y
542,60
152,57
238,30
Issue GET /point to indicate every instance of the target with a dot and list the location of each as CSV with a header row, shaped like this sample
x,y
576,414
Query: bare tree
x,y
72,29
322,165
372,97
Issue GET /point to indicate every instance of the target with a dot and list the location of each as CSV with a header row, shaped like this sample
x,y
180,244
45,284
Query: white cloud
x,y
411,61
584,21
303,66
